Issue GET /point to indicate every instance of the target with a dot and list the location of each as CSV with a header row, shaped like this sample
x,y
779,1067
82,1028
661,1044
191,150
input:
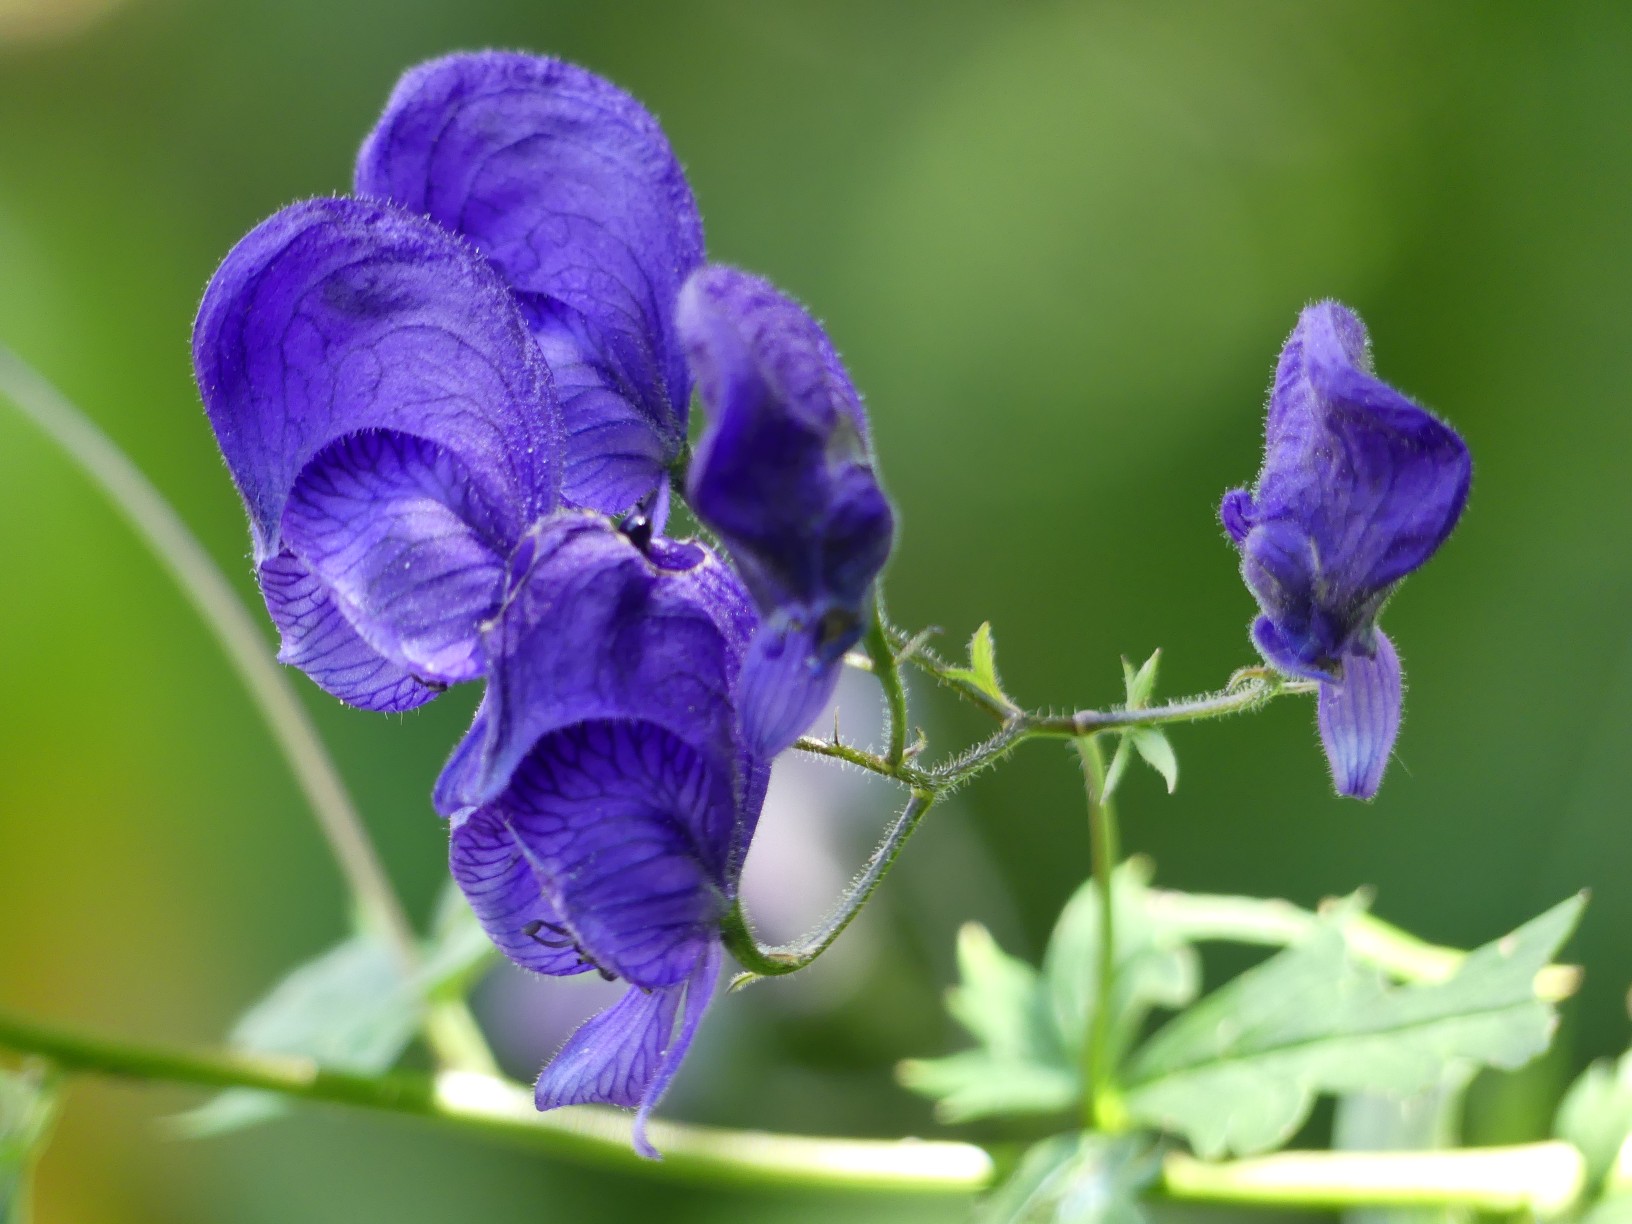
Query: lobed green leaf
x,y
1239,1072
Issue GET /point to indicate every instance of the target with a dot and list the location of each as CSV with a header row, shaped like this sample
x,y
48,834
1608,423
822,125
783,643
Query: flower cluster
x,y
1359,487
453,403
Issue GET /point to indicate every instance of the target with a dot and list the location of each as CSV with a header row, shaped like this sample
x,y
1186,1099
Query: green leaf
x,y
1239,1071
1151,744
352,1009
1118,767
1082,1178
1141,684
1031,1026
982,669
1154,968
28,1106
1596,1116
1021,1065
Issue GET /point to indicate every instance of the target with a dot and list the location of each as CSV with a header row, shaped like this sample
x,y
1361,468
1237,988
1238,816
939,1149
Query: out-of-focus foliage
x,y
1059,245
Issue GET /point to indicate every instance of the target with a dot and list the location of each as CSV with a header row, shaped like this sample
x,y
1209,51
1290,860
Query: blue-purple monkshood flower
x,y
1359,487
784,474
392,428
603,802
403,384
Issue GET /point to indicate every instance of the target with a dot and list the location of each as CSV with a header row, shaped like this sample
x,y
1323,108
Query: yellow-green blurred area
x,y
1059,245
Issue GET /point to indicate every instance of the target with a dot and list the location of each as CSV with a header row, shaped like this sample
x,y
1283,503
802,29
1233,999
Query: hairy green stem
x,y
207,589
1103,1105
882,656
1248,690
774,962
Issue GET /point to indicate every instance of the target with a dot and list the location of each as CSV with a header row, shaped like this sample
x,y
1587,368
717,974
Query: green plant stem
x,y
1544,1178
882,656
1104,1108
1249,689
1194,917
499,1109
156,522
774,962
1541,1177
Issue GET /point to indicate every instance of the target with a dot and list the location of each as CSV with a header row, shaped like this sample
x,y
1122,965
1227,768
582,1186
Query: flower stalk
x,y
449,1028
1540,1177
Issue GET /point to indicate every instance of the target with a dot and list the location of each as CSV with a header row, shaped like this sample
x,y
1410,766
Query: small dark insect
x,y
562,941
638,527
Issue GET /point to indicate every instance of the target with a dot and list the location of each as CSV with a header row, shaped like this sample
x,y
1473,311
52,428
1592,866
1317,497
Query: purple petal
x,y
628,1054
786,681
410,552
595,628
783,471
1375,480
626,829
569,186
1235,512
1360,718
335,316
1290,658
498,880
322,643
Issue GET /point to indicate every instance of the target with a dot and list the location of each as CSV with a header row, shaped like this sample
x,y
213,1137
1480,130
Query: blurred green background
x,y
1059,244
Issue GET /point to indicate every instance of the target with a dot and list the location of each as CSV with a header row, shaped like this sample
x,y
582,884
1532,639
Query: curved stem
x,y
486,1105
774,962
240,638
1248,689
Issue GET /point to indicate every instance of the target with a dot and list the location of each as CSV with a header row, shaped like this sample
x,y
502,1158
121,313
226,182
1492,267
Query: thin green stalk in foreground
x,y
1104,1104
153,518
1541,1177
496,1108
1275,923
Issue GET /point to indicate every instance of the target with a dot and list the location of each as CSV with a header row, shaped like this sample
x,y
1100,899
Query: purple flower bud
x,y
785,475
1359,487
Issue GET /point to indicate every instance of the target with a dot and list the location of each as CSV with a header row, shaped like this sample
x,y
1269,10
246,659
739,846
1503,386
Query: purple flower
x,y
392,429
1359,487
602,803
402,385
784,474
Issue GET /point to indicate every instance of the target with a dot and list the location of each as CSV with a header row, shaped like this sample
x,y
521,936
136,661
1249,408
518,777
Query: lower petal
x,y
498,880
627,828
410,551
629,1053
1360,718
321,642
